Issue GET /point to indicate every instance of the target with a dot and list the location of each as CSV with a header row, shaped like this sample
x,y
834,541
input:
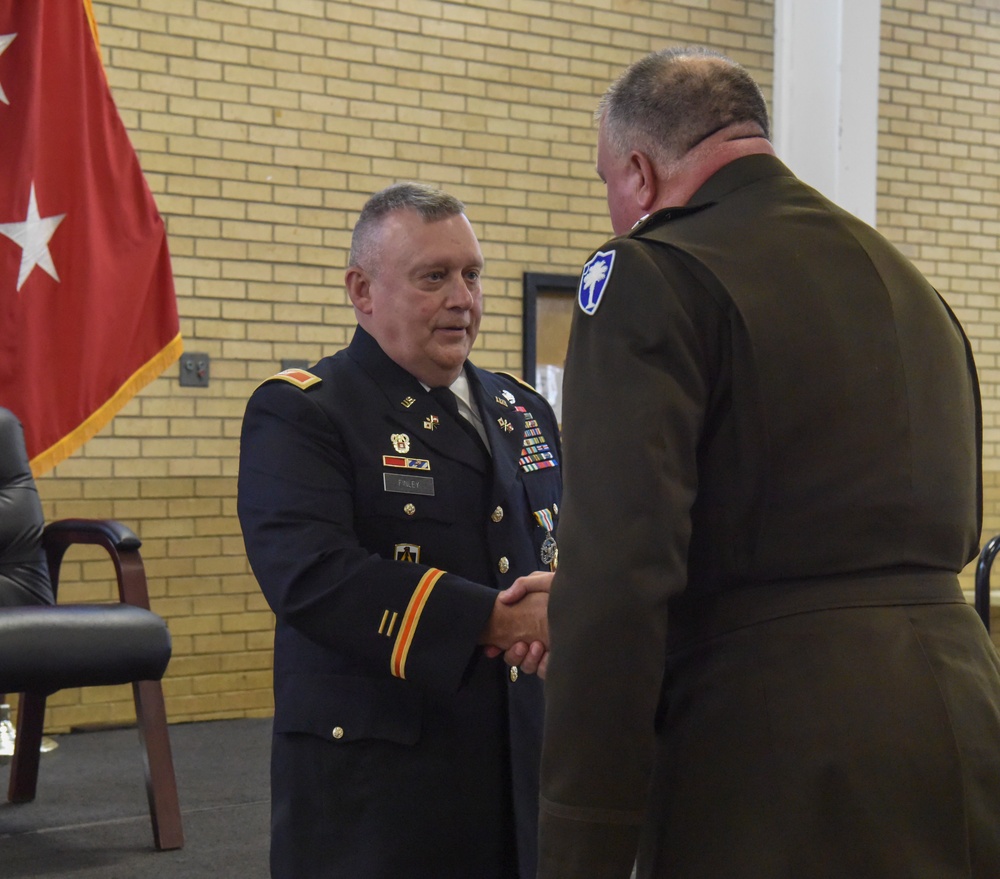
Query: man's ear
x,y
645,180
359,289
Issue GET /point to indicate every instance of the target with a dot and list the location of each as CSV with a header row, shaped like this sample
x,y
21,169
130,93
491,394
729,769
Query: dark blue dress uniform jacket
x,y
380,534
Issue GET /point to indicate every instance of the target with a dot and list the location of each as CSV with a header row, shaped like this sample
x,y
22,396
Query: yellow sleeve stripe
x,y
411,619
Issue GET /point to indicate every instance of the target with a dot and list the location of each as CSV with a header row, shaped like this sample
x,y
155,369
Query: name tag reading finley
x,y
405,484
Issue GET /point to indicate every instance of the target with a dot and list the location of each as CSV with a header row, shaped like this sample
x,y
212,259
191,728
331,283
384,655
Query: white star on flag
x,y
5,41
33,236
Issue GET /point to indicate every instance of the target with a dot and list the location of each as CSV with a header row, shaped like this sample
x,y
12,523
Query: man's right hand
x,y
528,651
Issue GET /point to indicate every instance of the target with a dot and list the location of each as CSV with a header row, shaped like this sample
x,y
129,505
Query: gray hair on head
x,y
430,203
668,102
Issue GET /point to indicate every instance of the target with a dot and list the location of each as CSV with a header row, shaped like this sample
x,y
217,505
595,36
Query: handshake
x,y
518,627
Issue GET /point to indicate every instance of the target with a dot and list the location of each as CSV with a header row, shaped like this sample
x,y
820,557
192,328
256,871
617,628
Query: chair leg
x,y
27,748
161,783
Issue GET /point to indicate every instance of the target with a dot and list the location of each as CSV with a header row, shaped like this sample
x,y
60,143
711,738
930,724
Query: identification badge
x,y
405,484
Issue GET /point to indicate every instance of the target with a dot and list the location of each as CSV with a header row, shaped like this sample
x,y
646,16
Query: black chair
x,y
982,589
46,647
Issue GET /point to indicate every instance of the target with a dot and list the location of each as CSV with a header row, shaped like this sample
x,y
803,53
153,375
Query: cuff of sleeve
x,y
441,630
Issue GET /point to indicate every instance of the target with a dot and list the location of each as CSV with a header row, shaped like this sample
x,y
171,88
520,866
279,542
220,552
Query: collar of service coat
x,y
735,175
418,414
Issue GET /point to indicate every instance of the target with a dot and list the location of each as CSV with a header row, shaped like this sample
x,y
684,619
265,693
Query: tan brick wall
x,y
939,177
262,125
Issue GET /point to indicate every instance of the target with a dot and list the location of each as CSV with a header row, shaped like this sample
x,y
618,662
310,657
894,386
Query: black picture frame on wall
x,y
548,302
538,285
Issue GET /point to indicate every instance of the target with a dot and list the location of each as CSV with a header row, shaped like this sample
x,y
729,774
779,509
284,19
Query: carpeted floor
x,y
90,819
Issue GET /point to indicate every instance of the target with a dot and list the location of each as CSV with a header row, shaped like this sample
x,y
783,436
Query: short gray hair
x,y
666,103
432,204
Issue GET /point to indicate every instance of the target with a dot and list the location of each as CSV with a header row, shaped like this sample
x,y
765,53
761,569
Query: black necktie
x,y
449,402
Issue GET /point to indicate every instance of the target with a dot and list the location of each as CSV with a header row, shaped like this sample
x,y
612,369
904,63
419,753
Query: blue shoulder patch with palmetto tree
x,y
593,279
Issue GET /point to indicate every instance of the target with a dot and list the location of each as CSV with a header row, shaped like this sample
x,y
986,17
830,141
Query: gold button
x,y
503,564
555,509
513,673
497,514
338,732
409,509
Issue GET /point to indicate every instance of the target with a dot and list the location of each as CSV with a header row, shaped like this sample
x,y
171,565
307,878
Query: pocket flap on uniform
x,y
348,708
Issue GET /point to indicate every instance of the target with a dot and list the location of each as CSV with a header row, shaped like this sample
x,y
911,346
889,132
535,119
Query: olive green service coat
x,y
762,664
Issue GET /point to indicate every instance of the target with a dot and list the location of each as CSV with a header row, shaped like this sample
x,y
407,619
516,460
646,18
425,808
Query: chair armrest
x,y
122,546
103,531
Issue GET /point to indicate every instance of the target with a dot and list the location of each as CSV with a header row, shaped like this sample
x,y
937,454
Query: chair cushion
x,y
44,649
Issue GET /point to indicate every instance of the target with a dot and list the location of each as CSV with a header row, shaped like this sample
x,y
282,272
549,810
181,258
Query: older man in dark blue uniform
x,y
388,497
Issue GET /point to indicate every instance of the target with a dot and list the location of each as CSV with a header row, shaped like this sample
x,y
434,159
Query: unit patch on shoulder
x,y
301,378
593,279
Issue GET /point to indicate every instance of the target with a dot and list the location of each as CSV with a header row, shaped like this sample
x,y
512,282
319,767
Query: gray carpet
x,y
91,818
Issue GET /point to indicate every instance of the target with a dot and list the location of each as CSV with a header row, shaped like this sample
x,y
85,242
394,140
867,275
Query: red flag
x,y
88,314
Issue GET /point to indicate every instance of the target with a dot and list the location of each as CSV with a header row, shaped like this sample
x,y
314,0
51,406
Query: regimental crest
x,y
400,442
593,280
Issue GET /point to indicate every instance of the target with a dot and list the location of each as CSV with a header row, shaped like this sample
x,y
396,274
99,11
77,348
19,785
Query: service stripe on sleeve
x,y
411,619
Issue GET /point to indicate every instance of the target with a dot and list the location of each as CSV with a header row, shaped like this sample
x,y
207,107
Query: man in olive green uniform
x,y
761,662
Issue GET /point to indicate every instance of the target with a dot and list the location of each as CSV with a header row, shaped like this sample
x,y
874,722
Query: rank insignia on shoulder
x,y
594,279
301,378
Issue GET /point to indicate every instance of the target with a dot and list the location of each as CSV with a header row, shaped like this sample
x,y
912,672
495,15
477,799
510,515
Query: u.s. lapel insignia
x,y
505,424
400,442
408,402
407,552
501,401
431,422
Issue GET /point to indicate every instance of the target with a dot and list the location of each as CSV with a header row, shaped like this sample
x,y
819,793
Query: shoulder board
x,y
301,378
519,381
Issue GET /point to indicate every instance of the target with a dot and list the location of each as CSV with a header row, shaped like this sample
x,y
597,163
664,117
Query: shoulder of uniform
x,y
517,380
301,378
658,219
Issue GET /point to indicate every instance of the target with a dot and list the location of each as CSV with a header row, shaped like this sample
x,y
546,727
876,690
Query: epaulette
x,y
519,381
301,378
